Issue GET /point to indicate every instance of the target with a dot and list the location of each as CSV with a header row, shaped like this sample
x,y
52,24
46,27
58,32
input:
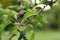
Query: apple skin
x,y
19,2
21,13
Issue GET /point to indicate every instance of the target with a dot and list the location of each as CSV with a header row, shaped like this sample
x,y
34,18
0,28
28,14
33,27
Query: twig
x,y
12,36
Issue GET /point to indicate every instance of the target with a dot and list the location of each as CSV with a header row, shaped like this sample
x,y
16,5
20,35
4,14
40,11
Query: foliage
x,y
21,17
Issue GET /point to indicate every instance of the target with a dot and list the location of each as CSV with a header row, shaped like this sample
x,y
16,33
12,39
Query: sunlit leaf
x,y
32,35
16,7
29,13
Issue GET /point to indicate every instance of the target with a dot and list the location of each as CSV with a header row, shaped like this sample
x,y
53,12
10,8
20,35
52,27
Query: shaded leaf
x,y
9,27
22,34
24,38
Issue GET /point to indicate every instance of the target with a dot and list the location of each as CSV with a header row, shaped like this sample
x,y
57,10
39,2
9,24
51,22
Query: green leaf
x,y
15,7
3,25
40,25
24,38
26,5
32,35
42,19
22,34
29,13
4,21
1,11
9,27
